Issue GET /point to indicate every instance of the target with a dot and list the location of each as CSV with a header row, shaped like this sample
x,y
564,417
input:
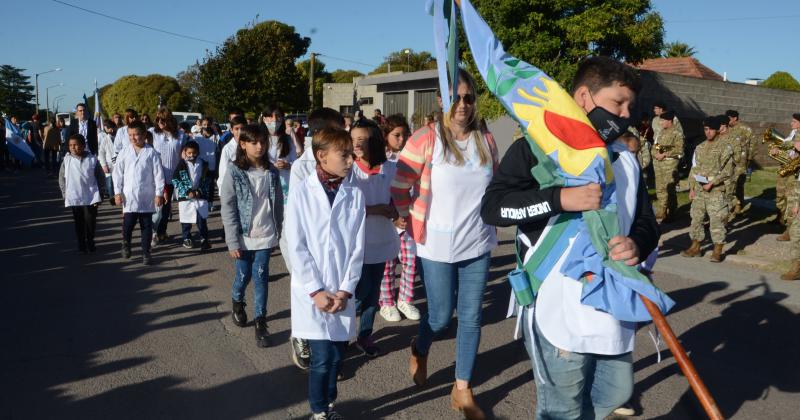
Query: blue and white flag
x,y
16,143
445,40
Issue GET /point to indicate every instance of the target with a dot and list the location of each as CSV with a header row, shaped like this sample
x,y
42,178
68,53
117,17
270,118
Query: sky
x,y
732,37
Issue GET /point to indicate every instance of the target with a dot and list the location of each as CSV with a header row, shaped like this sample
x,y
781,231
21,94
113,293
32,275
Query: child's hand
x,y
323,301
400,223
235,253
586,197
190,194
118,200
159,201
623,248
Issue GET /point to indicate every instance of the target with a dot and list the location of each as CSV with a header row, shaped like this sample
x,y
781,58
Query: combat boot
x,y
737,209
693,250
793,273
784,237
660,215
716,256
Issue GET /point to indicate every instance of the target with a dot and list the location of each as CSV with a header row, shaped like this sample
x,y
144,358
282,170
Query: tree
x,y
555,35
678,49
16,92
406,61
782,80
256,67
345,76
142,93
321,76
189,81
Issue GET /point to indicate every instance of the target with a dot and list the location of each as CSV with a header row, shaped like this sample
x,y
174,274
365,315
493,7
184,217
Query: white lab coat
x,y
139,178
226,156
326,244
121,139
80,184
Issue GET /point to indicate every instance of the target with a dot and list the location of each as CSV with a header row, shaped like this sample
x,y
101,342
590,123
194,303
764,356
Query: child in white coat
x,y
325,232
192,186
80,179
139,186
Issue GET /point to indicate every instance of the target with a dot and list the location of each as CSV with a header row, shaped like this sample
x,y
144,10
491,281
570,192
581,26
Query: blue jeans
x,y
457,285
577,385
326,357
367,293
202,227
145,221
110,186
252,265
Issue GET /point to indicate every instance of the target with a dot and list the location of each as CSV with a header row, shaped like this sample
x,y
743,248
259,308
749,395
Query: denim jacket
x,y
237,204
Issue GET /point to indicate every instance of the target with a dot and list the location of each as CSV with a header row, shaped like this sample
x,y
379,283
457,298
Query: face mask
x,y
191,158
271,127
608,125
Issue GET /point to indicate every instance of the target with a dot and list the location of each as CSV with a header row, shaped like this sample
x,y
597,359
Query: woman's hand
x,y
623,248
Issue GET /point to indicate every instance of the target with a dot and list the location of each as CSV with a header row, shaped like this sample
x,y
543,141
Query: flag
x,y
16,143
98,113
445,39
569,152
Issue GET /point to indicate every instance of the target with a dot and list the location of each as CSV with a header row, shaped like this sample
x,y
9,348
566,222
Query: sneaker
x,y
238,314
333,415
319,416
188,244
366,346
146,259
126,251
154,242
409,310
301,353
205,244
625,410
389,313
262,335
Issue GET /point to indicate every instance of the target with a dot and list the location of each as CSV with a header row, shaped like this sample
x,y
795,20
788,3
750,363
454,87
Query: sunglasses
x,y
467,99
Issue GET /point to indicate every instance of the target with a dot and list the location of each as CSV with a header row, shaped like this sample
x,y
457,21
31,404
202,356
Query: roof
x,y
682,66
401,77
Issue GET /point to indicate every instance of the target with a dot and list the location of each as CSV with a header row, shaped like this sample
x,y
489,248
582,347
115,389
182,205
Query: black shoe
x,y
205,245
238,314
126,251
262,335
187,243
301,353
91,247
146,259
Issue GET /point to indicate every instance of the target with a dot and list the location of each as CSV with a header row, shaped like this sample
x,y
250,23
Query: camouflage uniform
x,y
785,195
644,156
730,137
666,172
655,124
713,160
744,134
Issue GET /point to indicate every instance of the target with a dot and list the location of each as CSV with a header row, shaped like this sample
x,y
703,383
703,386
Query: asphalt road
x,y
98,337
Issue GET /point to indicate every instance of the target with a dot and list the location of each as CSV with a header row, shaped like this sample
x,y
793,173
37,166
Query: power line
x,y
346,60
134,23
733,19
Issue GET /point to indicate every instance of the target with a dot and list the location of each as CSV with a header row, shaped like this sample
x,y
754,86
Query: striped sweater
x,y
414,170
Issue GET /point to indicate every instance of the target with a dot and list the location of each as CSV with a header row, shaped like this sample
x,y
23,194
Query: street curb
x,y
750,261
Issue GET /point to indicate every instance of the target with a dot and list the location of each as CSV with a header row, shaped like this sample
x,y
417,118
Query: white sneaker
x,y
390,313
625,410
409,310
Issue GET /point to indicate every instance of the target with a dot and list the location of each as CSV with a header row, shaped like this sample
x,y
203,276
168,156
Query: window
x,y
367,100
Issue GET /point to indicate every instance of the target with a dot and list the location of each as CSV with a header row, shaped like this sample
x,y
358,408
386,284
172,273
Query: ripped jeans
x,y
252,265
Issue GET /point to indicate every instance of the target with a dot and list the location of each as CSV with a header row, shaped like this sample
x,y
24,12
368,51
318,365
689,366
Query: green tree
x,y
782,80
678,49
555,35
406,60
254,68
142,94
345,76
189,81
16,92
321,76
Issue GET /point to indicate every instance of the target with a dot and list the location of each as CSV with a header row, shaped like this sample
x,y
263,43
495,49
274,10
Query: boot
x,y
418,365
660,215
461,400
262,335
238,313
793,273
716,256
784,237
693,250
737,209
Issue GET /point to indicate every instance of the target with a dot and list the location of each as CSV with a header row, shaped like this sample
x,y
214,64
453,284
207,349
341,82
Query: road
x,y
98,337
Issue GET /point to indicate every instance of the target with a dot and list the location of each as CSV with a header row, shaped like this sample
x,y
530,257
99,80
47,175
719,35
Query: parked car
x,y
190,117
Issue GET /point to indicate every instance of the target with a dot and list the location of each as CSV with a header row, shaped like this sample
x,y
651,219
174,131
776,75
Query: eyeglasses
x,y
467,99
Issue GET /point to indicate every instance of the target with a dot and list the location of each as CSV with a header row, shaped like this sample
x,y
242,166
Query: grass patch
x,y
761,185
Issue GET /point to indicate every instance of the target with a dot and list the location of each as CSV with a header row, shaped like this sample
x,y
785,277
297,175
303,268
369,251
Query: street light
x,y
56,100
408,59
37,84
47,98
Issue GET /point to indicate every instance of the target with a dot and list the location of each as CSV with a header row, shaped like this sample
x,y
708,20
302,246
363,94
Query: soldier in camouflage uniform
x,y
725,135
785,196
794,233
665,166
658,110
712,165
744,134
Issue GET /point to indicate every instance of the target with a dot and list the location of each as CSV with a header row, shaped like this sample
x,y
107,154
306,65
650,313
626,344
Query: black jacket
x,y
91,133
514,198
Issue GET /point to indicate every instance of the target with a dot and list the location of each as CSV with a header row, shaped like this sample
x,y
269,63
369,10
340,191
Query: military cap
x,y
667,115
711,122
732,113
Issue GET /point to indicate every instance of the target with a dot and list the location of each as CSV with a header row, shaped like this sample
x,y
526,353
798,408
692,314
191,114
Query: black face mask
x,y
608,125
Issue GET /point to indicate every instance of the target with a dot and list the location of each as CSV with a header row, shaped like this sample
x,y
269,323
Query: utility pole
x,y
311,80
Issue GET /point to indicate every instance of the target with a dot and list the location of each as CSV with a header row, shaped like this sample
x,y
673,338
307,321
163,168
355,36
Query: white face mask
x,y
271,127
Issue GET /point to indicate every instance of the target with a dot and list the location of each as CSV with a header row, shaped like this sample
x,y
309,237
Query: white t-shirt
x,y
454,229
208,151
226,156
262,233
274,152
380,237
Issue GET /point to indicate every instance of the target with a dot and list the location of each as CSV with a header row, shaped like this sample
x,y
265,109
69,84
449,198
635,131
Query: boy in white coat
x,y
80,179
139,186
325,233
